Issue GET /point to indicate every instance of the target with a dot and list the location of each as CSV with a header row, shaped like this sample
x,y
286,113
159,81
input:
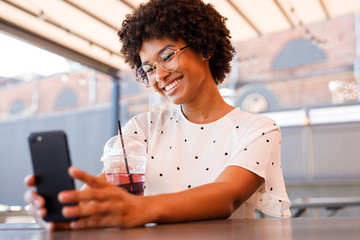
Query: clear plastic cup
x,y
117,174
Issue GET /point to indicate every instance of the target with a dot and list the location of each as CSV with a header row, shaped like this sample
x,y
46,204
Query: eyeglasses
x,y
167,59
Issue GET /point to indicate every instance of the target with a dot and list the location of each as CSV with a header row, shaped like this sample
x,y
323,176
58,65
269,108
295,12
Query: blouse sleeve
x,y
263,157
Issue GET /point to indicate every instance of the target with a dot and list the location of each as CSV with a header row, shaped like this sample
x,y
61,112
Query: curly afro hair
x,y
196,23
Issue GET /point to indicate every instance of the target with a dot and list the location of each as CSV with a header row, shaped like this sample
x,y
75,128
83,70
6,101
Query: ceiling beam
x,y
284,13
243,15
128,3
90,14
51,46
42,16
324,8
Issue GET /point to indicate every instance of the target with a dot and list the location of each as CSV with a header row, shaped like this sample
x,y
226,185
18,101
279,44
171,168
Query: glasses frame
x,y
141,79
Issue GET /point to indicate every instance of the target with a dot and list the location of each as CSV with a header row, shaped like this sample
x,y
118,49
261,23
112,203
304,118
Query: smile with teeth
x,y
172,85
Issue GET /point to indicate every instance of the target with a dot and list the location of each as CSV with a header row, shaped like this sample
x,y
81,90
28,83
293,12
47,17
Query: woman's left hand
x,y
102,204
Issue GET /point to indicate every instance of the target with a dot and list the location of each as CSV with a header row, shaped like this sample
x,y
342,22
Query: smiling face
x,y
187,83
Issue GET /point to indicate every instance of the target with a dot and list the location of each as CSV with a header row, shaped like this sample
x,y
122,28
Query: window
x,y
66,99
297,53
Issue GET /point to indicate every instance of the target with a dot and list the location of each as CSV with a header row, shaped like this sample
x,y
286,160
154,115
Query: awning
x,y
86,30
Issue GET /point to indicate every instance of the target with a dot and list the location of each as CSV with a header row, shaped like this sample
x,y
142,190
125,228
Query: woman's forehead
x,y
151,48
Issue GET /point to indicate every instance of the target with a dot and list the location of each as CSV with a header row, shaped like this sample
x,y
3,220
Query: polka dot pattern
x,y
185,155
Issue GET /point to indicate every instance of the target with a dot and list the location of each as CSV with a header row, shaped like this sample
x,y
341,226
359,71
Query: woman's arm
x,y
211,201
108,205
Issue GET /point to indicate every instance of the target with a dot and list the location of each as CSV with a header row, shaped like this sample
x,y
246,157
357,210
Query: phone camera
x,y
33,139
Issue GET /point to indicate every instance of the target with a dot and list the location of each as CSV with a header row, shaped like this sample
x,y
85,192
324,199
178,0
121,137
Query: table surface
x,y
268,228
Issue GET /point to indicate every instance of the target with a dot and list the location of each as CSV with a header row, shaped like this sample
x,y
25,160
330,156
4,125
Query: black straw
x,y
125,157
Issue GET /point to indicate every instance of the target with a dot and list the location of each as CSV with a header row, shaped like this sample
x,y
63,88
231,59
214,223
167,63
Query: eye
x,y
166,56
148,69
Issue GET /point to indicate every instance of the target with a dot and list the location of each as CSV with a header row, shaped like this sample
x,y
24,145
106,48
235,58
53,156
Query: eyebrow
x,y
167,46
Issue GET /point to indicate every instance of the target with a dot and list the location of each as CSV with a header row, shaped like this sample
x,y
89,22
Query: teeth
x,y
173,84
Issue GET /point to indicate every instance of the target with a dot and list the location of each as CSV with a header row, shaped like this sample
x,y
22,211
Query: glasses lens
x,y
168,60
141,74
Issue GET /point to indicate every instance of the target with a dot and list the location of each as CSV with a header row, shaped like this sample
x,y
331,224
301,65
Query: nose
x,y
161,74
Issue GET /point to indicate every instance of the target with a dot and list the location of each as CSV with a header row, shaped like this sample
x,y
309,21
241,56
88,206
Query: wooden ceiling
x,y
86,30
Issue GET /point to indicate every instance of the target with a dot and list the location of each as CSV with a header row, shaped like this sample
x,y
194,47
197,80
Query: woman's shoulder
x,y
249,122
245,117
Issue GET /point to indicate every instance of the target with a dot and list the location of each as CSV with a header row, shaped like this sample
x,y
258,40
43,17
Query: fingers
x,y
37,212
51,226
107,220
60,225
34,199
37,207
89,209
88,194
86,178
36,204
29,180
97,188
92,214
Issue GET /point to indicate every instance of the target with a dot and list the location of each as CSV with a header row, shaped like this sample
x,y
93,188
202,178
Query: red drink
x,y
123,180
129,175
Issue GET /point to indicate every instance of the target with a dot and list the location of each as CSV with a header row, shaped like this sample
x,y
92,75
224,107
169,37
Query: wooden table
x,y
251,229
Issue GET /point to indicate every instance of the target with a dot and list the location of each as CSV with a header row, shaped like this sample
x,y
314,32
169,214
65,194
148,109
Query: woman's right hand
x,y
37,206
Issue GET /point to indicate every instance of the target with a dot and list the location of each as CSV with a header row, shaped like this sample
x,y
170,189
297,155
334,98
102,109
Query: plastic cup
x,y
116,172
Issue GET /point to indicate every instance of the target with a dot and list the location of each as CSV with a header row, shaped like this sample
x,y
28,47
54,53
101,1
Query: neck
x,y
210,108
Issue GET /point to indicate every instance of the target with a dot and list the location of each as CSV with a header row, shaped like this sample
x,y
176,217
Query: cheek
x,y
156,89
197,72
196,66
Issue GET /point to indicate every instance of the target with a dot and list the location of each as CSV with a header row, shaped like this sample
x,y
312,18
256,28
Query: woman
x,y
206,159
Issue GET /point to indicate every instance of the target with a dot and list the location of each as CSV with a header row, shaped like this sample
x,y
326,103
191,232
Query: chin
x,y
175,101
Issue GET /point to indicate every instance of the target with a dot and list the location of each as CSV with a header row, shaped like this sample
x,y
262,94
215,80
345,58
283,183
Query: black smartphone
x,y
51,160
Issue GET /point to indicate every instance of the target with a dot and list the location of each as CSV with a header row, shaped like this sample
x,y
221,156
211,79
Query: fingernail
x,y
76,224
39,213
49,226
26,179
38,203
71,170
63,196
60,197
66,211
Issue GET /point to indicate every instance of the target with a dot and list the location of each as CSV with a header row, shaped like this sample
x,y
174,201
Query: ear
x,y
206,58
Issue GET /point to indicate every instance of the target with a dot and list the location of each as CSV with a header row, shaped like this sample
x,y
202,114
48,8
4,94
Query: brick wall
x,y
303,85
293,87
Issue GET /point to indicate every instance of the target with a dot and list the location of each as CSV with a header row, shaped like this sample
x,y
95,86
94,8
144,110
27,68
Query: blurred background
x,y
297,61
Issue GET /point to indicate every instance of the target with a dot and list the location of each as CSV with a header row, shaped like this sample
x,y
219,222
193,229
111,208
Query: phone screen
x,y
51,160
